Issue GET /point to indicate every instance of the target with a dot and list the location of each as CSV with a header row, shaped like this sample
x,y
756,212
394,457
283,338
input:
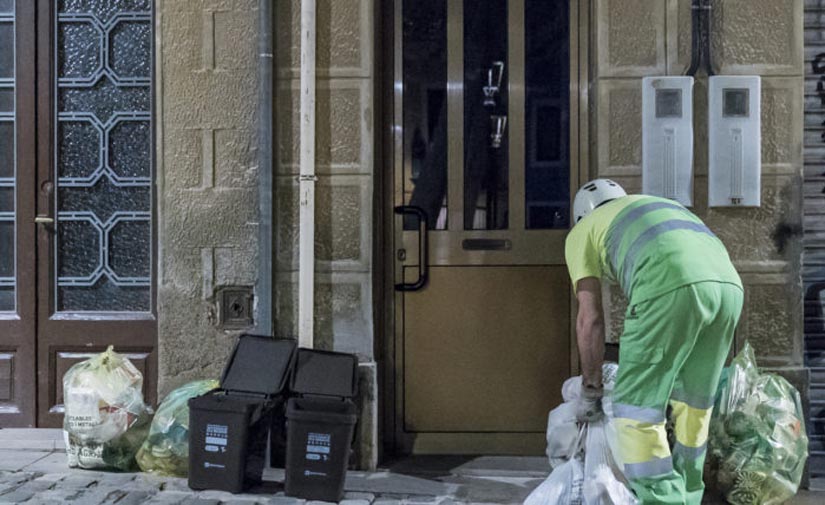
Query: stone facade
x,y
344,164
207,102
207,190
750,37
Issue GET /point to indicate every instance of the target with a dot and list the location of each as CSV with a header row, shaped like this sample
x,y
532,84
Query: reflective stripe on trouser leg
x,y
691,426
643,443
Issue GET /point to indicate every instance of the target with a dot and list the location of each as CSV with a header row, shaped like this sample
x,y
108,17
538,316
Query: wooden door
x,y
486,158
84,196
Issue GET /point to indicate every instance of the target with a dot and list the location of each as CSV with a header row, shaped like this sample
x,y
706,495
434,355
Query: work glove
x,y
589,404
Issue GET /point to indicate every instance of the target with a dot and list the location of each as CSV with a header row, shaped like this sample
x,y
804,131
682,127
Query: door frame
x,y
386,318
19,325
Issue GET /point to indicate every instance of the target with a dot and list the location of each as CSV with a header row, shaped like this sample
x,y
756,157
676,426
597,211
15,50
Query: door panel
x,y
96,240
17,337
485,127
487,348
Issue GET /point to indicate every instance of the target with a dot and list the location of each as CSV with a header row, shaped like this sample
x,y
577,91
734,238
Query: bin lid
x,y
259,365
325,373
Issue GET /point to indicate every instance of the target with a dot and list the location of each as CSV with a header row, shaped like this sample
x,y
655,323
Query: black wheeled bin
x,y
321,419
228,427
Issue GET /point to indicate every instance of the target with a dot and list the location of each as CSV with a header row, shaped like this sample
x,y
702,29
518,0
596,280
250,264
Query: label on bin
x,y
318,446
216,436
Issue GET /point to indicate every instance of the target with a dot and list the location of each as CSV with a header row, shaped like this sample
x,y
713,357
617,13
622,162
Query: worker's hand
x,y
589,404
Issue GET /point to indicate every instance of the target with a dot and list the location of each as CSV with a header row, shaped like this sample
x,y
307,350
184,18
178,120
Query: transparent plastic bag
x,y
106,419
166,449
757,442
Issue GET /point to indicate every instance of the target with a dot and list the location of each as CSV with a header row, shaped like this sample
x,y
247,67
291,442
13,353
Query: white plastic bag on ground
x,y
562,432
562,487
106,419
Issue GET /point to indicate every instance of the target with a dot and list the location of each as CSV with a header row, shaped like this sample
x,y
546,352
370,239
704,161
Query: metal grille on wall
x,y
7,157
103,163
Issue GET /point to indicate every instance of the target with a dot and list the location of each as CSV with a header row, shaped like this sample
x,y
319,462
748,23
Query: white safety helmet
x,y
593,194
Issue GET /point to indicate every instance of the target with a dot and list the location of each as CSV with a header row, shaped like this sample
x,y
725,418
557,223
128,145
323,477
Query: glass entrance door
x,y
486,157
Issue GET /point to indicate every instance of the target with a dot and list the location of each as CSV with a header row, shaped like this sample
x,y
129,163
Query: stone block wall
x,y
206,106
344,163
637,38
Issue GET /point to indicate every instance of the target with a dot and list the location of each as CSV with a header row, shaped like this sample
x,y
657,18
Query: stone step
x,y
817,375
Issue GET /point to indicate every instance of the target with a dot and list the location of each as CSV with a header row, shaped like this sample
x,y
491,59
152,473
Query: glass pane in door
x,y
424,90
7,158
103,156
486,173
547,114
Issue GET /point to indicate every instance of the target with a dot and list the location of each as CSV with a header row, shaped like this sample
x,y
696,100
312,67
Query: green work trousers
x,y
672,352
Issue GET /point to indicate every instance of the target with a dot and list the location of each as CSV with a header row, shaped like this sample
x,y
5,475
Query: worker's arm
x,y
590,331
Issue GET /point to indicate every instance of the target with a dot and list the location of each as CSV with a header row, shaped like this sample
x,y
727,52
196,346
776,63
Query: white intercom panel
x,y
735,137
667,138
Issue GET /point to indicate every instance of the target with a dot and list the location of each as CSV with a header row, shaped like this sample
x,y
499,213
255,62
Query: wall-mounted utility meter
x,y
735,135
667,138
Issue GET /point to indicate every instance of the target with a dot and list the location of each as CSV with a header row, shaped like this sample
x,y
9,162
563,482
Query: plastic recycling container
x,y
321,419
228,427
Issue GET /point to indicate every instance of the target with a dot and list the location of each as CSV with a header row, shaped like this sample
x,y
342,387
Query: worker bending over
x,y
685,298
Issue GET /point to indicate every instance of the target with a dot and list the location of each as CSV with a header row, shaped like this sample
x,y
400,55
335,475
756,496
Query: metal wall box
x,y
667,138
735,136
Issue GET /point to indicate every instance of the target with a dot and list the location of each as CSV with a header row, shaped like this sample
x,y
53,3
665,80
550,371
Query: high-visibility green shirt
x,y
648,245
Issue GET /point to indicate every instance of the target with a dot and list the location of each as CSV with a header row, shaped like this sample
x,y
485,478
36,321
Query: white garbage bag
x,y
601,474
603,488
597,479
106,419
562,432
562,487
571,388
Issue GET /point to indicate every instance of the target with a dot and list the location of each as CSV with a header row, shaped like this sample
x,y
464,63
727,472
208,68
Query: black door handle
x,y
423,246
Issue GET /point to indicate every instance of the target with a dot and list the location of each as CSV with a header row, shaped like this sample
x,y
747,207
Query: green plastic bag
x,y
166,450
757,437
106,419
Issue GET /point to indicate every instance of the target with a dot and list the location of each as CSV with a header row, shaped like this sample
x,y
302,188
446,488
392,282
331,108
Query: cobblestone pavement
x,y
35,472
